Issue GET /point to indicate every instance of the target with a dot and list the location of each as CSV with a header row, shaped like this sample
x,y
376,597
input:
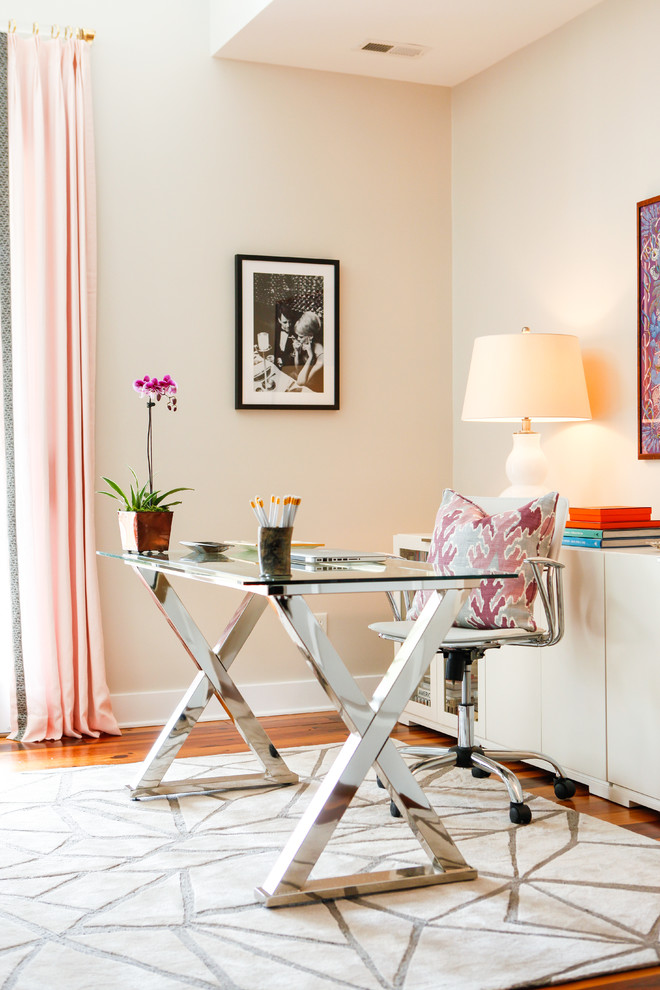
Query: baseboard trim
x,y
140,708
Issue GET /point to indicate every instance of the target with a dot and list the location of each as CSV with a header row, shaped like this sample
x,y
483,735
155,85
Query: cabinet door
x,y
573,671
513,697
435,701
632,594
431,704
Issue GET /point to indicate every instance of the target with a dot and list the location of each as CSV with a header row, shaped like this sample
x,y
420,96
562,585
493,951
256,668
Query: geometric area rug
x,y
98,891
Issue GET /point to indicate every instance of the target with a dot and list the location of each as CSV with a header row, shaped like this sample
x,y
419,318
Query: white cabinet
x,y
593,700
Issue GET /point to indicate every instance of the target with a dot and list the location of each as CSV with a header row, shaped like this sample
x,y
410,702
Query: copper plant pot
x,y
141,531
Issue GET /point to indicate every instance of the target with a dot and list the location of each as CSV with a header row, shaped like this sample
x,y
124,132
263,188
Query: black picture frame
x,y
287,332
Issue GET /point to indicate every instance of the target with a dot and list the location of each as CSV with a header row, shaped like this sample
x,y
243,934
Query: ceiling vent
x,y
385,48
376,46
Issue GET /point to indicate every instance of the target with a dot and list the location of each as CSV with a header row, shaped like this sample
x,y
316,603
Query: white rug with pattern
x,y
99,891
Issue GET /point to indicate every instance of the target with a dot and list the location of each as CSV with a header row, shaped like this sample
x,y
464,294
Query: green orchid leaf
x,y
139,498
165,495
115,487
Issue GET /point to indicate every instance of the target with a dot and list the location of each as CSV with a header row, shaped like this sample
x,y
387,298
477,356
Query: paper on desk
x,y
294,543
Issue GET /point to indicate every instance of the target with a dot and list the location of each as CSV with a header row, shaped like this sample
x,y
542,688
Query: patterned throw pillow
x,y
465,537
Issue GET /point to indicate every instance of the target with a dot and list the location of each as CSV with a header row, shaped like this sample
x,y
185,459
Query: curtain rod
x,y
68,32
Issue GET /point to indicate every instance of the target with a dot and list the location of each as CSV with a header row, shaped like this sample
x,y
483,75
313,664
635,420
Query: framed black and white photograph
x,y
287,333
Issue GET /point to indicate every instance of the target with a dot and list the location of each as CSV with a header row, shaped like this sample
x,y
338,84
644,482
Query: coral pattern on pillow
x,y
465,537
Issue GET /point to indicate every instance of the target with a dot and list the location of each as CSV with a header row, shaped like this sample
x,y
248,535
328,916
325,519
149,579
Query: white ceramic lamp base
x,y
526,466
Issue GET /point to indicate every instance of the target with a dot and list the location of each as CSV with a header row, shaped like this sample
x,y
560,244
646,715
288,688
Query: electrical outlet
x,y
322,619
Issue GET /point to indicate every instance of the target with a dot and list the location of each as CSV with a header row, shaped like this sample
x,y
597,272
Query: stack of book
x,y
423,693
611,526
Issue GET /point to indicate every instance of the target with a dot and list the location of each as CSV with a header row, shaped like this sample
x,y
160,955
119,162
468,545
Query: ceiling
x,y
459,37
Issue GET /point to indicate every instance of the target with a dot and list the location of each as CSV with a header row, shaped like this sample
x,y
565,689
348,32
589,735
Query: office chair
x,y
493,531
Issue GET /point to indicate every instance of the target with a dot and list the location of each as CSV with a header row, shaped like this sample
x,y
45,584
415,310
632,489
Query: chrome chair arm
x,y
394,605
548,576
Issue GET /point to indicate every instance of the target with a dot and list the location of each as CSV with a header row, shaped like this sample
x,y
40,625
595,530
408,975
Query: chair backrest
x,y
501,504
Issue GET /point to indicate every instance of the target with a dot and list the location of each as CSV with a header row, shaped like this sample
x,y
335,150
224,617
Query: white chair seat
x,y
397,631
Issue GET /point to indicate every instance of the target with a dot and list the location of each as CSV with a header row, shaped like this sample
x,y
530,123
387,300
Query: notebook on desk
x,y
331,555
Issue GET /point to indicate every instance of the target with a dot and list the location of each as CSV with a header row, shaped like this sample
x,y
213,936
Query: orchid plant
x,y
143,498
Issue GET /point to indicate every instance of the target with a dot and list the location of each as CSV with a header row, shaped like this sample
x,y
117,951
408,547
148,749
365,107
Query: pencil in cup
x,y
290,508
258,509
283,519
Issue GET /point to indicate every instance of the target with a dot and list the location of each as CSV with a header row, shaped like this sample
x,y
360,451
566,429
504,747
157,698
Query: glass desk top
x,y
238,567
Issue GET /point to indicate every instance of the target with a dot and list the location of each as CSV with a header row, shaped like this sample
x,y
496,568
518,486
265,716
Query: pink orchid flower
x,y
155,388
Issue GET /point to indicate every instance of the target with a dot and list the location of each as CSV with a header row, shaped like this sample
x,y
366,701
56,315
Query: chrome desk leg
x,y
370,724
213,678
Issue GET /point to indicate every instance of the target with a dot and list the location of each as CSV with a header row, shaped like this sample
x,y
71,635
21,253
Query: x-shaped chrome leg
x,y
213,678
370,724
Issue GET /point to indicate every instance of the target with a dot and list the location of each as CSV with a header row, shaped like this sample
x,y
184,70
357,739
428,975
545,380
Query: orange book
x,y
610,513
613,524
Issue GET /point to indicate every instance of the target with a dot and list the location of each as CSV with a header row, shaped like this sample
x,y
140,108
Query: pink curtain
x,y
52,226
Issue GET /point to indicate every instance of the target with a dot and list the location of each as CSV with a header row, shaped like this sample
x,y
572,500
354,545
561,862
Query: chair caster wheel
x,y
519,814
380,783
394,811
564,788
478,772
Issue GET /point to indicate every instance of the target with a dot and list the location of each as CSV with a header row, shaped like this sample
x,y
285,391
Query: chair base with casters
x,y
482,762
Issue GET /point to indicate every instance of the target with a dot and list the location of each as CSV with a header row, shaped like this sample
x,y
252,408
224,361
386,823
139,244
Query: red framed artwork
x,y
648,332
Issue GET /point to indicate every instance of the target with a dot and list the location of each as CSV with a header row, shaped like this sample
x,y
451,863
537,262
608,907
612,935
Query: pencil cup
x,y
275,550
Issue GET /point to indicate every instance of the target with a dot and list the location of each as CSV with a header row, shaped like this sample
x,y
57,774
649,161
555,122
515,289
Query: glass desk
x,y
369,721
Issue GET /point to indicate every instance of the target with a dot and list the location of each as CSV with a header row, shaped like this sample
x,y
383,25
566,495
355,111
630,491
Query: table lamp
x,y
523,377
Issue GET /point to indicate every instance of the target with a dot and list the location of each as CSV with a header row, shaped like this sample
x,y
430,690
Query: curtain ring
x,y
35,28
12,26
55,31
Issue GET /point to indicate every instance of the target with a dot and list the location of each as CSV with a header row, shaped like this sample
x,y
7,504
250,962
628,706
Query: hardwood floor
x,y
318,728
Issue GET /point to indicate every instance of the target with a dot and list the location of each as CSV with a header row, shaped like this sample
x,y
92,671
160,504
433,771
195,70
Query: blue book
x,y
652,532
581,541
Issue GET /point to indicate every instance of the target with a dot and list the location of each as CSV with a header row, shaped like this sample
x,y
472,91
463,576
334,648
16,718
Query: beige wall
x,y
552,149
199,159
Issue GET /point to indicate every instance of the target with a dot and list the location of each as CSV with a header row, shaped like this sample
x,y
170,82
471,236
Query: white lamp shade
x,y
515,376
